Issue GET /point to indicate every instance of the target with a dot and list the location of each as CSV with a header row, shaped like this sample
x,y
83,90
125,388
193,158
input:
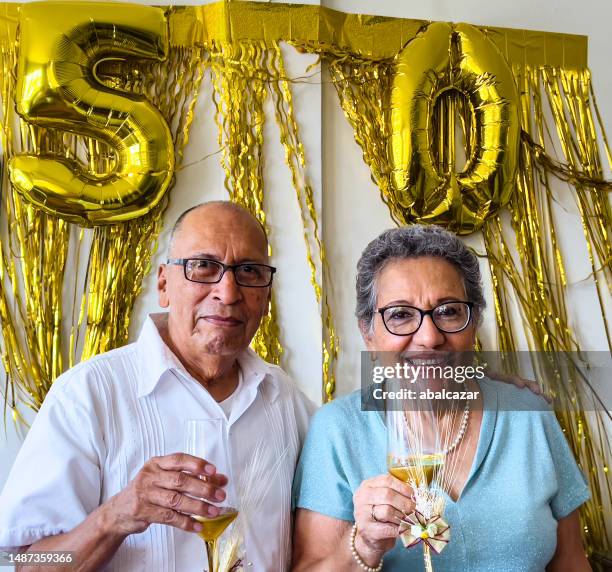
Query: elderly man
x,y
101,472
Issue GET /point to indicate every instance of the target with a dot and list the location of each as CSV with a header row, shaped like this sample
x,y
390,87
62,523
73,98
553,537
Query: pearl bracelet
x,y
356,556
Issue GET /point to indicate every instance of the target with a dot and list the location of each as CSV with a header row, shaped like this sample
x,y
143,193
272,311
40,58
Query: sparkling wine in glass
x,y
414,451
204,439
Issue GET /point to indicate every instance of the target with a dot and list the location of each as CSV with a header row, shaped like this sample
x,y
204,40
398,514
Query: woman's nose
x,y
428,335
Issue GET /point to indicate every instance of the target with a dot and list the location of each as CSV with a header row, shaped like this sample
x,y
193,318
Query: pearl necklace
x,y
464,423
462,427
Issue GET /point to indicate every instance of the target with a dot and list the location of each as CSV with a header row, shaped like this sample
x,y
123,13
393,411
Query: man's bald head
x,y
208,211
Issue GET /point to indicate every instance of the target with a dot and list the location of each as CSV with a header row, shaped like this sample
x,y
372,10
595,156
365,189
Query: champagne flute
x,y
414,451
414,454
204,439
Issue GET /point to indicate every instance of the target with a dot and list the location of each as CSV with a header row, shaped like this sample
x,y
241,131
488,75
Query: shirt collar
x,y
157,360
255,370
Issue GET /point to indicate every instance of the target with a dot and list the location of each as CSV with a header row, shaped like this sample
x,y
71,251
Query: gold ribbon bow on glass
x,y
434,532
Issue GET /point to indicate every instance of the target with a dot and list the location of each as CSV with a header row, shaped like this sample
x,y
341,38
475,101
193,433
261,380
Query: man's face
x,y
222,318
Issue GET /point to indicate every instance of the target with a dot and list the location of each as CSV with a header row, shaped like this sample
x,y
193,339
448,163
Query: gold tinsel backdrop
x,y
96,96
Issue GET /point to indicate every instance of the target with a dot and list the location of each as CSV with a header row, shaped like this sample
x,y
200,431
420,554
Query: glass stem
x,y
427,558
211,547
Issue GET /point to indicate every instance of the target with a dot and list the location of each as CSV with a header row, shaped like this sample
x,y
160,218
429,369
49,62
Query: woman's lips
x,y
227,322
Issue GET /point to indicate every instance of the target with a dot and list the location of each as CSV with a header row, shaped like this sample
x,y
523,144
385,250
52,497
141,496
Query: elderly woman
x,y
515,489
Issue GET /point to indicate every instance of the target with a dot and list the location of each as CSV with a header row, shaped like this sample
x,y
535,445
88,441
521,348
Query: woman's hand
x,y
321,543
380,505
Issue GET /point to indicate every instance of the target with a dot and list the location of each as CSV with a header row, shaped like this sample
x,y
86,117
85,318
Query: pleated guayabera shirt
x,y
103,419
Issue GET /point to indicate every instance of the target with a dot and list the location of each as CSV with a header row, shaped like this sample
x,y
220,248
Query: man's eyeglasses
x,y
449,317
211,271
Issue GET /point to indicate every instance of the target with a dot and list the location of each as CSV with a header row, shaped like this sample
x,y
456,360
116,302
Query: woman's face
x,y
424,283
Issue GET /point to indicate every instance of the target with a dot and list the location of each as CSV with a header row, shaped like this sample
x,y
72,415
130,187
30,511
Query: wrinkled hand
x,y
519,382
392,499
158,494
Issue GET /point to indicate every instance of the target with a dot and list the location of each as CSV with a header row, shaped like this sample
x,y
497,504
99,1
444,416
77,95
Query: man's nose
x,y
428,335
227,289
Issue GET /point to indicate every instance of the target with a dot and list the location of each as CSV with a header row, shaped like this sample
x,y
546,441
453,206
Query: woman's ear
x,y
475,322
366,334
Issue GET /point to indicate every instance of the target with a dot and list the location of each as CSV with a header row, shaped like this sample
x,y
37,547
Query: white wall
x,y
351,208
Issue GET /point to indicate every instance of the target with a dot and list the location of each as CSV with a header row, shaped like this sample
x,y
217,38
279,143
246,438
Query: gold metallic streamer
x,y
296,161
568,95
33,257
562,171
359,35
239,74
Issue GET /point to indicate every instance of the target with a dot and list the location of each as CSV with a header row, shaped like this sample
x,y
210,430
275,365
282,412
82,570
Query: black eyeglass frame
x,y
183,262
429,313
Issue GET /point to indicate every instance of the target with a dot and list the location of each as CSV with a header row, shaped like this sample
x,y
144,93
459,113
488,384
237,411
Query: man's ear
x,y
162,286
268,304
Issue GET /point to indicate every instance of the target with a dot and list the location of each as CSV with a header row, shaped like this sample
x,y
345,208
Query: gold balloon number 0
x,y
443,58
61,45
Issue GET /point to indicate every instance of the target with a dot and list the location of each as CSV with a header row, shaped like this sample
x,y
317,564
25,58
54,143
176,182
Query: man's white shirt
x,y
103,419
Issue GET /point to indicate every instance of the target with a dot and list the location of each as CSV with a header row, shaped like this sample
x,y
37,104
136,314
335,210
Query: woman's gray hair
x,y
414,241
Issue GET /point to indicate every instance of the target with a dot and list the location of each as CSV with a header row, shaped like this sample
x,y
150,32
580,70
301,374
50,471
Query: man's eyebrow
x,y
218,258
204,255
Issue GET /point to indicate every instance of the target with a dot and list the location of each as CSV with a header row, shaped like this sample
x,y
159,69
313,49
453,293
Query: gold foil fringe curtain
x,y
537,279
239,76
51,321
243,75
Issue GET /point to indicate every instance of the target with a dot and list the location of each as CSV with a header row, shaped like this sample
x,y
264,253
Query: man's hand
x,y
159,493
519,381
162,493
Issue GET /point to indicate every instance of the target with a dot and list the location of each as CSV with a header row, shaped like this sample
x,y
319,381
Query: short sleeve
x,y
572,489
55,480
321,482
304,410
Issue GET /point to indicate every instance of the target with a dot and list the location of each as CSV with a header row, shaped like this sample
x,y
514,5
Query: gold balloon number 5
x,y
447,60
61,45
